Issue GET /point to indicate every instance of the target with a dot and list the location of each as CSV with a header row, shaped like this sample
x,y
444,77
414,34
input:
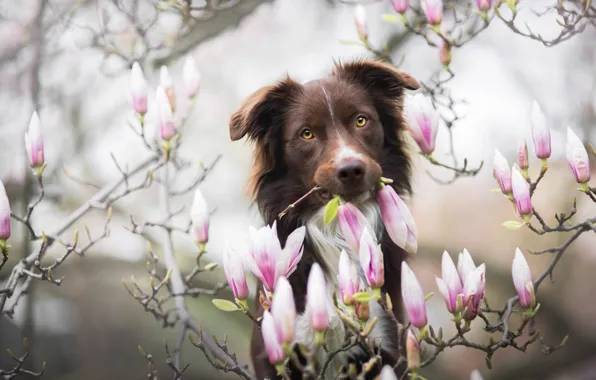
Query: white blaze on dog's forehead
x,y
328,101
345,152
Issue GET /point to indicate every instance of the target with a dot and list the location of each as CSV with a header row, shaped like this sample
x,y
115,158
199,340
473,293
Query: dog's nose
x,y
350,171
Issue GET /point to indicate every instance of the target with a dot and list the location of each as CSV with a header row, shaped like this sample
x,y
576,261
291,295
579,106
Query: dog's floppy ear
x,y
263,109
377,76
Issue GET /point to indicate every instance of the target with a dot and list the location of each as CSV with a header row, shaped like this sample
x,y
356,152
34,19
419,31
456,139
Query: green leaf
x,y
331,210
225,305
512,225
362,297
428,296
390,17
496,190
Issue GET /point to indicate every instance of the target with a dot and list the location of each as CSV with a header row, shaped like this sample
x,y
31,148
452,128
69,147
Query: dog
x,y
340,133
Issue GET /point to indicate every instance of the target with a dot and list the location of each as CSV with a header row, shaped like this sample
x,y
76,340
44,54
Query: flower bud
x,y
199,215
192,77
540,132
283,310
450,285
397,219
413,351
360,21
433,10
34,143
577,157
522,156
4,214
165,81
234,273
474,292
138,87
362,310
273,347
371,260
387,373
502,172
316,299
484,5
413,297
400,6
351,220
167,129
522,279
347,278
445,54
521,193
423,122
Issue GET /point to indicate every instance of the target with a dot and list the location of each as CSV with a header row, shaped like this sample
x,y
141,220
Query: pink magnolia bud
x,y
34,142
274,349
433,10
413,297
400,6
192,77
387,373
166,82
423,122
413,351
465,265
577,157
397,219
445,54
484,5
474,292
167,129
360,21
316,299
234,273
347,278
522,155
522,279
502,172
138,88
351,220
4,214
450,285
521,193
540,132
199,215
283,310
371,260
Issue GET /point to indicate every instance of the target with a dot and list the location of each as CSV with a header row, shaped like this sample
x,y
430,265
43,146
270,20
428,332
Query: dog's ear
x,y
263,109
377,76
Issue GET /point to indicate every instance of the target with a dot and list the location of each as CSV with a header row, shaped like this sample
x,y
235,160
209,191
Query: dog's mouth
x,y
360,195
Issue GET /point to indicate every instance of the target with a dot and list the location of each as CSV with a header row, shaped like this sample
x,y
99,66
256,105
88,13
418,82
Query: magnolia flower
x,y
413,351
400,6
167,129
433,10
474,292
397,219
274,349
283,311
522,279
234,273
138,89
166,82
34,142
484,5
266,259
449,285
192,77
540,132
4,214
199,215
522,155
465,265
445,53
502,172
360,21
423,122
577,157
413,297
387,373
475,375
348,280
316,299
371,260
351,220
521,193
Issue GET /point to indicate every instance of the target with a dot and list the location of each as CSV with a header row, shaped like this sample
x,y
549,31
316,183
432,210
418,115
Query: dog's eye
x,y
361,121
307,134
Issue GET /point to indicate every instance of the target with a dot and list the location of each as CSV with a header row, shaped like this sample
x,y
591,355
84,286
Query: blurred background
x,y
70,61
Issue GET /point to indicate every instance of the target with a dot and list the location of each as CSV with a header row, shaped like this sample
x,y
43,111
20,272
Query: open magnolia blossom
x,y
474,292
450,285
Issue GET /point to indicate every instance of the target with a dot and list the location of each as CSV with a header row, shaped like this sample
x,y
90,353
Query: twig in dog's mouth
x,y
291,206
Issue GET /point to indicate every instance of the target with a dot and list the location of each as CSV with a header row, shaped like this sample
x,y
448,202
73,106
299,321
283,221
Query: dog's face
x,y
336,132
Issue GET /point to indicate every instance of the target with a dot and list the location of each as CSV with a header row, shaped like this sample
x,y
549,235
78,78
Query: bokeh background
x,y
70,60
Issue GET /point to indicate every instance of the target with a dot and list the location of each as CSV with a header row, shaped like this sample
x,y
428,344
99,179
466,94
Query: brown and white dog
x,y
341,133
